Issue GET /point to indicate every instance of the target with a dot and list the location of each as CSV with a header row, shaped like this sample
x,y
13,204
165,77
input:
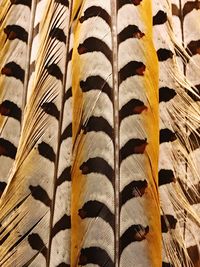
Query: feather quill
x,y
102,81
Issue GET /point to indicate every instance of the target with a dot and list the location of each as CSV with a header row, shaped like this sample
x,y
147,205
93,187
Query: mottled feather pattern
x,y
99,132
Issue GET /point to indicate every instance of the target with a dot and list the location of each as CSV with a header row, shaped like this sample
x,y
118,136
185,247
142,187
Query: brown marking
x,y
136,2
82,50
4,111
6,71
139,109
138,35
141,70
140,149
82,213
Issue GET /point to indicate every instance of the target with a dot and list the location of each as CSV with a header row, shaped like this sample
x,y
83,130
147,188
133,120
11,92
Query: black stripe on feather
x,y
7,149
40,194
10,109
93,44
168,222
134,106
96,83
134,233
67,133
97,165
165,177
51,109
166,94
94,209
46,151
166,135
63,224
37,243
122,3
130,69
133,189
160,18
21,2
133,146
98,124
95,255
16,32
65,176
164,54
95,11
131,31
12,69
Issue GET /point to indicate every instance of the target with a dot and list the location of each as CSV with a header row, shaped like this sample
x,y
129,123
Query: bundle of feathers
x,y
100,133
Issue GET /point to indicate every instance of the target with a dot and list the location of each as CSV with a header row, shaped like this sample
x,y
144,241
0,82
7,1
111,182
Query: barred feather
x,y
175,148
112,114
89,184
14,28
41,174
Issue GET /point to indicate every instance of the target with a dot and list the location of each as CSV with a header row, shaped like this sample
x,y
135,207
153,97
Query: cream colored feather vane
x,y
99,145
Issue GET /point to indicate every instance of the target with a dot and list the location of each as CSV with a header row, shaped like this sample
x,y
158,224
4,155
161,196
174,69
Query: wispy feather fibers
x,y
98,83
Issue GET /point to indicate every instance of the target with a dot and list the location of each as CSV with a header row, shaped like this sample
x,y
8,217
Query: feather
x,y
112,116
175,149
41,172
14,28
89,184
187,32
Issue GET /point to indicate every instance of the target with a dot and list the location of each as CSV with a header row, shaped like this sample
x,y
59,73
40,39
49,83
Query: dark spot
x,y
166,94
164,54
46,151
55,71
2,187
166,177
40,194
166,135
7,149
160,18
37,243
10,109
168,222
58,34
51,109
133,189
15,31
12,69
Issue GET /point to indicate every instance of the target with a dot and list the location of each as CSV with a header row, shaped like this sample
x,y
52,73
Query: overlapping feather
x,y
88,151
178,116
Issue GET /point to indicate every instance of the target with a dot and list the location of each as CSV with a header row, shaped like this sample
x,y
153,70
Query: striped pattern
x,y
93,134
84,187
50,179
173,142
14,45
185,17
137,164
